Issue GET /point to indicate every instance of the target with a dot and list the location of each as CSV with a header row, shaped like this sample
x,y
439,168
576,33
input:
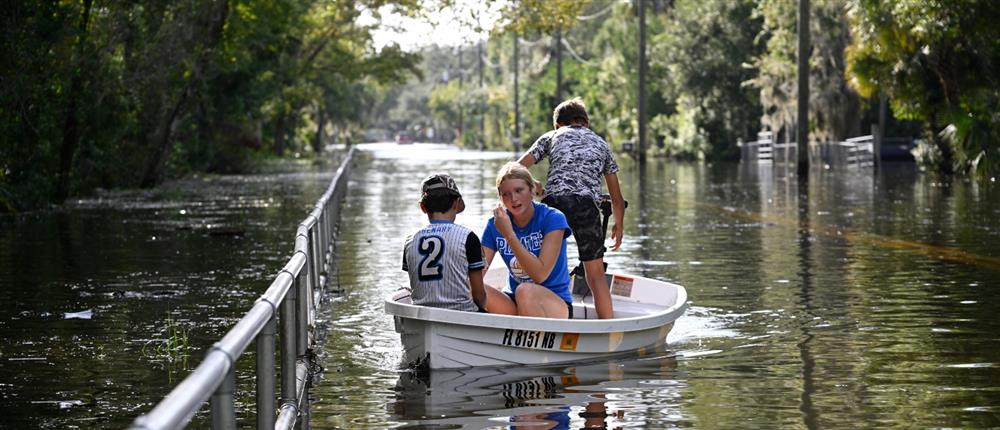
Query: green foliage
x,y
99,95
698,61
610,84
938,63
445,103
127,94
172,351
544,16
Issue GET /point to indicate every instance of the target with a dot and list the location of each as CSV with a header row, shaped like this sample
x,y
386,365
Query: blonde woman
x,y
530,237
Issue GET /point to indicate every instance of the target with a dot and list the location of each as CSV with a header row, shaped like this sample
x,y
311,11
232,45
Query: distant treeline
x,y
722,70
123,94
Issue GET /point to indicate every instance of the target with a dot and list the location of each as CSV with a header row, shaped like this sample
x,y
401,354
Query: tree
x,y
699,60
938,63
127,94
834,106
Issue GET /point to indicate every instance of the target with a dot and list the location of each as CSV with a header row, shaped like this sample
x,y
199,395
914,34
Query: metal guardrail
x,y
292,296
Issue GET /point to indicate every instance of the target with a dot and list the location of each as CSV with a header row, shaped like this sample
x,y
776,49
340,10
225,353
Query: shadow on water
x,y
809,413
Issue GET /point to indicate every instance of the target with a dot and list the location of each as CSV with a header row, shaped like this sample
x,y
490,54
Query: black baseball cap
x,y
440,182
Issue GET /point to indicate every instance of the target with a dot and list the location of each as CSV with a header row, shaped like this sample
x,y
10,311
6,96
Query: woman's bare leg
x,y
497,302
534,300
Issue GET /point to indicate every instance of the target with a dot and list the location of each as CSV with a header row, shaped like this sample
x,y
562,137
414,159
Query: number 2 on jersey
x,y
431,248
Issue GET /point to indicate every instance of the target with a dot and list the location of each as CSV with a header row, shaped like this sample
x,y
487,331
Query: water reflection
x,y
537,397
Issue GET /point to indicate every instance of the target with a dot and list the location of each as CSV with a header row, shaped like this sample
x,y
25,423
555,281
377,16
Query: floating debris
x,y
81,315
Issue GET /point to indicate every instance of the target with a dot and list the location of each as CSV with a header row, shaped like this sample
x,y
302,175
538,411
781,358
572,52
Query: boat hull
x,y
455,346
446,339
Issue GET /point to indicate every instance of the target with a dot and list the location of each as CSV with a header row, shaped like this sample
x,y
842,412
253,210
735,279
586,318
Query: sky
x,y
443,29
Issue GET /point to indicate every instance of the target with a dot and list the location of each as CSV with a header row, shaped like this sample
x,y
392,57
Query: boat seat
x,y
623,309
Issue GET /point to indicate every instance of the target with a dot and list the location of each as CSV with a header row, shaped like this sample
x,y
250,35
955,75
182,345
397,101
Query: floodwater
x,y
871,303
110,301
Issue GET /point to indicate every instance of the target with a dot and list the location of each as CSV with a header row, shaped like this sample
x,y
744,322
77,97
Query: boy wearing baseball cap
x,y
444,259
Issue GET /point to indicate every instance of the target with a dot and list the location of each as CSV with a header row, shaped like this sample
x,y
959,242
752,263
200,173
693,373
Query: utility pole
x,y
461,109
880,137
482,115
802,118
559,80
517,105
642,81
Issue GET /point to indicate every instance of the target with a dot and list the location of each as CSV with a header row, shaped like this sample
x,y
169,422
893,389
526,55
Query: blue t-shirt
x,y
544,221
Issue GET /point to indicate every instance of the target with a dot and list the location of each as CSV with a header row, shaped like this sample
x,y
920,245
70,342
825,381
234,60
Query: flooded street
x,y
110,301
872,303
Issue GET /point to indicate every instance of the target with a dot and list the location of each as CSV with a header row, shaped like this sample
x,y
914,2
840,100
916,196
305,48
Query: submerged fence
x,y
292,298
854,152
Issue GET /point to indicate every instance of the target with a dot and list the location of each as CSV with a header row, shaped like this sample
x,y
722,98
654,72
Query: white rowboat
x,y
645,311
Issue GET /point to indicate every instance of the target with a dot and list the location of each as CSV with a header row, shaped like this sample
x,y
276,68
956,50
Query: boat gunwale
x,y
497,321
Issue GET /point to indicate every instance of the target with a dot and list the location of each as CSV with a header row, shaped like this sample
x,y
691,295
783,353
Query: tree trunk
x,y
162,139
279,134
71,127
320,122
163,136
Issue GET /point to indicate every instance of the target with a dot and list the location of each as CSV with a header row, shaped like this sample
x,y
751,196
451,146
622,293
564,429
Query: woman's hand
x,y
502,221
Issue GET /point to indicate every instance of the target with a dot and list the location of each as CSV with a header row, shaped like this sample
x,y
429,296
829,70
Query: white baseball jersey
x,y
439,258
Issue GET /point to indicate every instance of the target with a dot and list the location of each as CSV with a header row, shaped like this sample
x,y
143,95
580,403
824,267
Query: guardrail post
x,y
302,319
324,246
265,374
324,233
328,241
301,316
315,255
223,406
314,271
288,346
305,414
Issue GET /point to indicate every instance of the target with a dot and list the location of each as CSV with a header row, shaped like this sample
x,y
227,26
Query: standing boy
x,y
578,158
444,259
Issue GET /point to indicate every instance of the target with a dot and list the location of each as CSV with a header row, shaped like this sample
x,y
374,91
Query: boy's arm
x,y
474,253
535,152
617,209
527,160
478,289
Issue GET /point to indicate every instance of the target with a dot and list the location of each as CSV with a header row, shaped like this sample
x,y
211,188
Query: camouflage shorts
x,y
584,219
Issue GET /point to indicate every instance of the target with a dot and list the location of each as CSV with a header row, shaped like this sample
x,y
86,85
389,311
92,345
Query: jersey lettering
x,y
431,248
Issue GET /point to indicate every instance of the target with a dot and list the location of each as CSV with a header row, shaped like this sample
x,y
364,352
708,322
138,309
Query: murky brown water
x,y
872,304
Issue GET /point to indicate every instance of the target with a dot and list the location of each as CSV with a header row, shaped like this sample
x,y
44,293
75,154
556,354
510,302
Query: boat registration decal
x,y
622,286
528,339
569,341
